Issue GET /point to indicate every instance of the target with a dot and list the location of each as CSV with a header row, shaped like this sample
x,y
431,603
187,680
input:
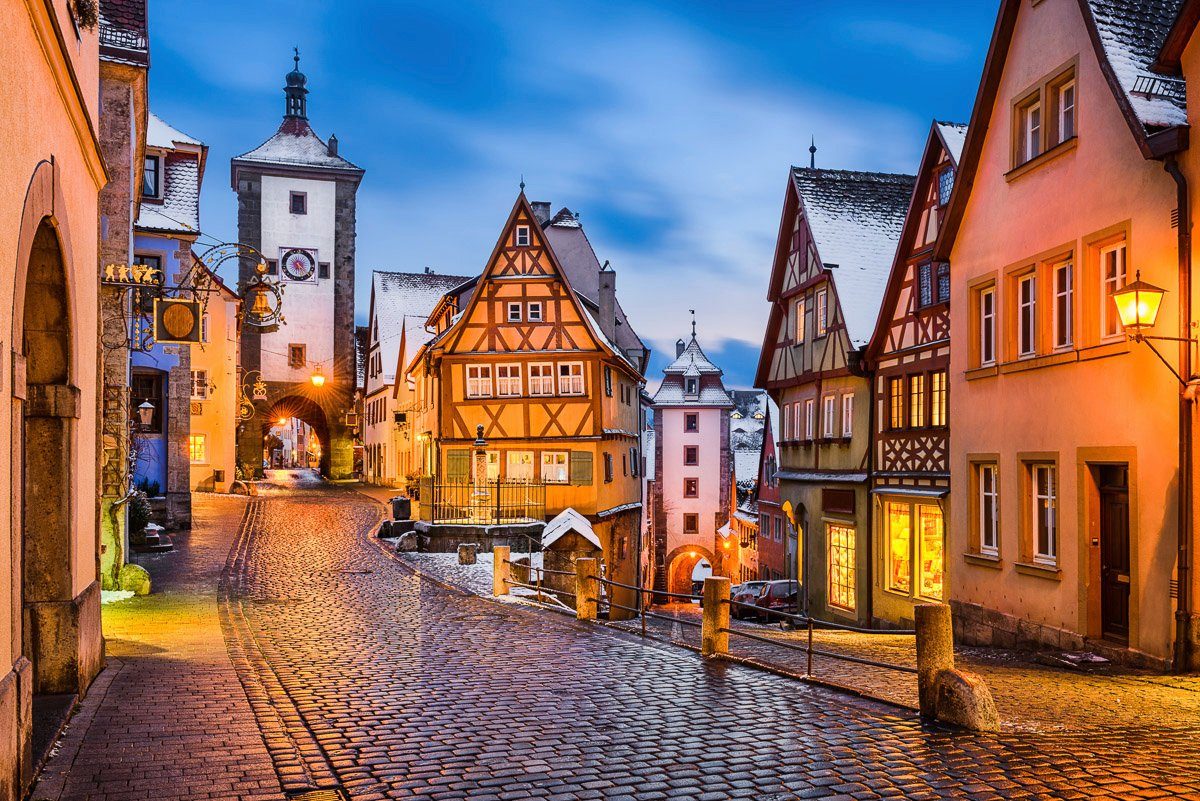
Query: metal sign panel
x,y
176,321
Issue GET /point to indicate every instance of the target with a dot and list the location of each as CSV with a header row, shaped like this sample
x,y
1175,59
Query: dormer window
x,y
152,177
522,237
691,386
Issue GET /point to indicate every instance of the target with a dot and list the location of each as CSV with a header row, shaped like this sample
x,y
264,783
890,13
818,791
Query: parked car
x,y
746,593
777,596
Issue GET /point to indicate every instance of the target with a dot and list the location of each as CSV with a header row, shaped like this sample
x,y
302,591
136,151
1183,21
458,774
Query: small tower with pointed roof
x,y
692,469
296,204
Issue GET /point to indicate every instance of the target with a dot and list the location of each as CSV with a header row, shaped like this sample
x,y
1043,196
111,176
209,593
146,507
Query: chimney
x,y
332,148
608,302
678,348
541,210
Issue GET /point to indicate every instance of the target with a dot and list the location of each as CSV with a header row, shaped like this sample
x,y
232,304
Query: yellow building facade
x,y
212,441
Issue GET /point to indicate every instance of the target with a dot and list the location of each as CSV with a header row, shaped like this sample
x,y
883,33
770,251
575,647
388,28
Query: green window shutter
x,y
581,468
458,465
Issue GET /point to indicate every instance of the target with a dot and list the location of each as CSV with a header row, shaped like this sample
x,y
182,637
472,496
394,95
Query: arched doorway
x,y
50,406
682,564
294,407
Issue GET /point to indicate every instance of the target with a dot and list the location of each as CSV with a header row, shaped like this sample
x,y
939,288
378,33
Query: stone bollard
x,y
467,552
587,589
500,570
935,652
715,611
963,699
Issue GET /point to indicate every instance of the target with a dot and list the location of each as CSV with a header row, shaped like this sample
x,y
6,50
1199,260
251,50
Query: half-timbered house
x,y
834,251
909,355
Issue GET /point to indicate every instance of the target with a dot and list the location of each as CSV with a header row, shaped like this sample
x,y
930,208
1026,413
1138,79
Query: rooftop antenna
x,y
693,311
812,154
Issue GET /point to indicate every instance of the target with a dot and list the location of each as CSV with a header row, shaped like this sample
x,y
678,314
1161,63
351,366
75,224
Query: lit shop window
x,y
842,578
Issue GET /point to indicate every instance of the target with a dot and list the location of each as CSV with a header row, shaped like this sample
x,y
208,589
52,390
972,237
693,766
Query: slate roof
x,y
954,135
295,144
1131,33
179,211
692,363
402,303
855,219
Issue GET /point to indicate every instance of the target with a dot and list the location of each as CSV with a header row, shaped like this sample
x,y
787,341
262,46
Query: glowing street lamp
x,y
1138,305
317,378
145,414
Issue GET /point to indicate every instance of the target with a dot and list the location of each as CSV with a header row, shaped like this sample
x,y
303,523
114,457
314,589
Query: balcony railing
x,y
492,504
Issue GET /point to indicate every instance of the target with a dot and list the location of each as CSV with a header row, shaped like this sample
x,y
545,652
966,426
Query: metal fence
x,y
494,503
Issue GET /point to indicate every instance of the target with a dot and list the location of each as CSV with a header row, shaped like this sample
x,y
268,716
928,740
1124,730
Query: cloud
x,y
919,43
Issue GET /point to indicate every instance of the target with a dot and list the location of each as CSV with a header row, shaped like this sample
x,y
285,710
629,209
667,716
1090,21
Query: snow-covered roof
x,y
402,303
296,145
855,219
159,134
565,522
954,134
1132,32
692,361
179,210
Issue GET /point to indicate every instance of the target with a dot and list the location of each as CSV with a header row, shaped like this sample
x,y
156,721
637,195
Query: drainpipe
x,y
1185,645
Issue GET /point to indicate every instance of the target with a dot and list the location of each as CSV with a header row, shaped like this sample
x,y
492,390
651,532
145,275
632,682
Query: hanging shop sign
x,y
176,321
119,274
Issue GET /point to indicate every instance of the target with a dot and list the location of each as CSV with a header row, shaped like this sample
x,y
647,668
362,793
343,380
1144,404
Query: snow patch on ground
x,y
113,596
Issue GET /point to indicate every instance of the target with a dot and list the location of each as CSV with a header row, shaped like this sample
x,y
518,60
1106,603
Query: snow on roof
x,y
1131,33
566,521
179,211
159,134
855,219
295,144
403,302
954,134
692,361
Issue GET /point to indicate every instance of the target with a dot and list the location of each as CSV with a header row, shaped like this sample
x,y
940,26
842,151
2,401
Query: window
x,y
635,462
691,524
1064,305
608,468
938,409
144,296
822,312
691,488
828,411
691,455
925,284
916,400
204,327
570,379
514,312
533,312
272,267
147,387
197,448
479,381
764,525
1065,96
895,403
943,282
847,416
519,465
931,559
899,547
492,470
199,384
779,529
987,326
297,356
508,380
691,422
522,237
555,467
798,331
1112,278
322,269
810,422
787,421
987,513
541,379
691,386
608,381
152,177
1027,315
842,578
1029,143
945,185
1044,512
298,202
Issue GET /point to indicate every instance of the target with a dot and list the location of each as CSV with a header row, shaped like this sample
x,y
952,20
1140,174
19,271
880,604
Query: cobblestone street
x,y
361,674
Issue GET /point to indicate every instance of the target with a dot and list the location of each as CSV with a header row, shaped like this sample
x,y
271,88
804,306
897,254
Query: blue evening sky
x,y
669,126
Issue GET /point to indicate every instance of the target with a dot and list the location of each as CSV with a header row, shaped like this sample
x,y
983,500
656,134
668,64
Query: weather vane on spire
x,y
522,182
296,57
812,153
693,311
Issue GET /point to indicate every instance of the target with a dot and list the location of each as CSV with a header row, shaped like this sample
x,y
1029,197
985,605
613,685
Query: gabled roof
x,y
565,522
1127,36
159,134
953,135
182,175
296,145
400,304
692,361
855,219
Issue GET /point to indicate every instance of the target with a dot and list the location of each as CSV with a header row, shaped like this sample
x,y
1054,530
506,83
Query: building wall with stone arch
x,y
680,563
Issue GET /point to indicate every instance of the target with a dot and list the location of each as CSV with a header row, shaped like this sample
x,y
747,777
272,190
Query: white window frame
x,y
542,384
508,380
160,176
810,415
847,416
522,237
1049,556
988,498
787,421
200,380
479,381
572,382
1066,111
512,459
987,326
1031,130
204,327
799,321
1110,321
828,413
533,312
1027,307
822,312
556,462
202,439
513,314
1064,295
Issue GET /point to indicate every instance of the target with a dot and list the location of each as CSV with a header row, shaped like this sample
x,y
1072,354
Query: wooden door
x,y
1114,552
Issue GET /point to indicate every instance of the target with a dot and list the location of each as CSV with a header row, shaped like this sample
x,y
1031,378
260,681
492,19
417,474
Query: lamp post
x,y
1138,305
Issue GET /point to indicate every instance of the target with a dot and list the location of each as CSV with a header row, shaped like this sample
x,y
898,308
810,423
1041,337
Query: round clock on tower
x,y
298,265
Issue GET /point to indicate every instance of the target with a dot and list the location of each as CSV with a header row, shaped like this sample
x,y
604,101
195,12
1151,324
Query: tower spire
x,y
693,311
296,105
812,153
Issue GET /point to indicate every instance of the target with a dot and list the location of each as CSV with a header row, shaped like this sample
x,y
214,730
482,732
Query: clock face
x,y
299,265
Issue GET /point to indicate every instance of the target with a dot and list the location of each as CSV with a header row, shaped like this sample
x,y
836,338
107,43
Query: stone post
x,y
935,652
500,569
715,616
587,589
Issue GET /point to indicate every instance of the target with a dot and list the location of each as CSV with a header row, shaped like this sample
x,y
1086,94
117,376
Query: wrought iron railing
x,y
493,503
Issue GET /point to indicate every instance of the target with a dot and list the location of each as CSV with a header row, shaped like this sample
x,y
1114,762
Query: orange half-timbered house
x,y
909,356
523,380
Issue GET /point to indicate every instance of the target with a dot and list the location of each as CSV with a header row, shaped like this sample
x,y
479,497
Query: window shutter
x,y
458,465
581,468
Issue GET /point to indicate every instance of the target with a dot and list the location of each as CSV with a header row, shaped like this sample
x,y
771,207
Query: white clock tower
x,y
296,204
